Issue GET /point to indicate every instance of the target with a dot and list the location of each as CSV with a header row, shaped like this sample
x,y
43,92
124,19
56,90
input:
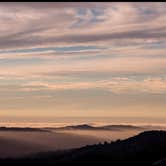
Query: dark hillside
x,y
143,149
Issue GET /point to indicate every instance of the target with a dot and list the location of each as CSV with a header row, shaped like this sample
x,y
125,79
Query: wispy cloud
x,y
115,85
30,26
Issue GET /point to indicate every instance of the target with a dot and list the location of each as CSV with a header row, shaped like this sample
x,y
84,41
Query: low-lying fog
x,y
14,144
20,143
103,135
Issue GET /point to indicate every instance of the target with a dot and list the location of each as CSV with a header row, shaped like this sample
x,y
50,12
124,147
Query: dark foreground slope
x,y
144,149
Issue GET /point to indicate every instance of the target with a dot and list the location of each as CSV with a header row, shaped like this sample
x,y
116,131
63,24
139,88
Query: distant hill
x,y
144,149
108,127
123,127
22,129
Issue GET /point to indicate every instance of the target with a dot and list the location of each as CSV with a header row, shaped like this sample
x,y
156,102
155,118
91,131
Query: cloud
x,y
148,85
26,25
51,48
58,67
115,85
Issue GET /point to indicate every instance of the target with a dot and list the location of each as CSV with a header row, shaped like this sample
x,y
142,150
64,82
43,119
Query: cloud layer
x,y
49,49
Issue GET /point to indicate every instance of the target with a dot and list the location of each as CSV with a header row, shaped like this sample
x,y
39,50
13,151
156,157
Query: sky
x,y
83,59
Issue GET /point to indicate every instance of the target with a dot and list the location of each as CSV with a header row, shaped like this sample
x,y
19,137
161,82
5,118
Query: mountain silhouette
x,y
147,149
123,127
80,127
108,127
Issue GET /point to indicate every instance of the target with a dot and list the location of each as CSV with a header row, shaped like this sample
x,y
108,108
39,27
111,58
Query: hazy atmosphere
x,y
83,83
